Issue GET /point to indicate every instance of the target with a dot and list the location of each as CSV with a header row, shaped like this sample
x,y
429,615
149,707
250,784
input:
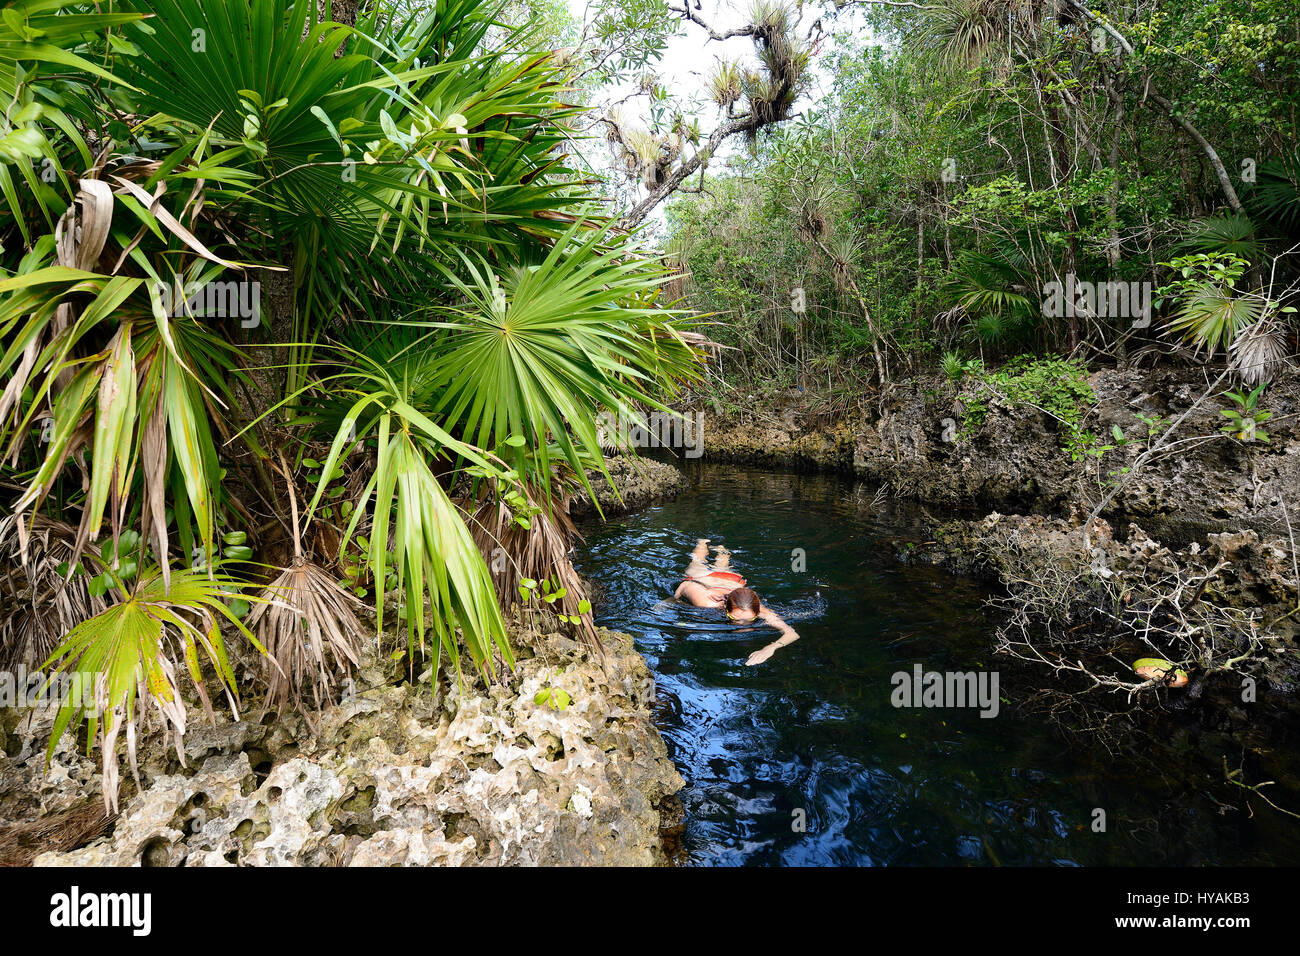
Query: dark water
x,y
811,735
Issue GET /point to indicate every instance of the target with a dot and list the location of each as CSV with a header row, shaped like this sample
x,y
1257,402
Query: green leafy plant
x,y
557,698
547,593
413,522
1058,387
1244,420
135,650
1210,312
953,366
405,168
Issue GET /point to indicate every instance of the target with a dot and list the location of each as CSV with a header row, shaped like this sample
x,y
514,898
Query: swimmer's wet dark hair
x,y
743,599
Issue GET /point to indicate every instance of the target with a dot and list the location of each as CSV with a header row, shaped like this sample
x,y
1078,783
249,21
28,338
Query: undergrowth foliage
x,y
405,175
968,157
1057,387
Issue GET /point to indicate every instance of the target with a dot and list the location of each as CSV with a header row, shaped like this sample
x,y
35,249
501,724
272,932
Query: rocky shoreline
x,y
479,775
1241,583
911,436
1002,492
392,775
639,482
487,775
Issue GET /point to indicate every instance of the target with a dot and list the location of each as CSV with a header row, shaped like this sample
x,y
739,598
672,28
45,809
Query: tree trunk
x,y
344,11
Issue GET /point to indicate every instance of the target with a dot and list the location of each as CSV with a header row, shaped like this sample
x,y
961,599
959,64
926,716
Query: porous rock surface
x,y
395,775
1243,570
911,436
639,482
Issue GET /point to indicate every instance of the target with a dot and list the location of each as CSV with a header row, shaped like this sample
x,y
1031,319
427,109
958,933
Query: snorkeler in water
x,y
720,587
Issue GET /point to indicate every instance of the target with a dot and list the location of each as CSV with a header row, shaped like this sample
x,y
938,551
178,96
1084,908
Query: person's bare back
x,y
720,587
706,586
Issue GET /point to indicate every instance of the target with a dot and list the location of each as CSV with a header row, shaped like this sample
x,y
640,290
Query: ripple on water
x,y
804,760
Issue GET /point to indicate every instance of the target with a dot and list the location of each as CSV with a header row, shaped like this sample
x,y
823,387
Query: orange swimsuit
x,y
718,592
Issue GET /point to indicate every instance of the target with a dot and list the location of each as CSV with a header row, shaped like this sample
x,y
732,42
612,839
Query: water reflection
x,y
803,760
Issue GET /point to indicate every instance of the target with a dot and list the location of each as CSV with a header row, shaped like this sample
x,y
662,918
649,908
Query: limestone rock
x,y
489,778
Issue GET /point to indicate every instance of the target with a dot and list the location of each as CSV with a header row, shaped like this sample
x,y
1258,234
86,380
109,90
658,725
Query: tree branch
x,y
1220,171
701,156
685,10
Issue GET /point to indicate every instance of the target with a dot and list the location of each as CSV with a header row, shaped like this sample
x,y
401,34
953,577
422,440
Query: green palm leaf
x,y
1210,317
540,352
137,648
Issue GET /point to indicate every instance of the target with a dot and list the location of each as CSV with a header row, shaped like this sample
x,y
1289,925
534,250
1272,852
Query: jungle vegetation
x,y
308,311
973,160
306,318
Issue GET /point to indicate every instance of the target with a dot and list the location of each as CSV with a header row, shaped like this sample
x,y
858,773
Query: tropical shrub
x,y
207,205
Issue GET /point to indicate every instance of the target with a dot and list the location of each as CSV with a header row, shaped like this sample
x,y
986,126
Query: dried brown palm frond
x,y
22,843
700,340
539,552
1258,352
309,626
37,605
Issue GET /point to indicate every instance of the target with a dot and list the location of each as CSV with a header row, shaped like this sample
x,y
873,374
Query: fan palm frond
x,y
1258,352
536,356
985,284
308,625
136,650
1276,191
1209,316
1234,234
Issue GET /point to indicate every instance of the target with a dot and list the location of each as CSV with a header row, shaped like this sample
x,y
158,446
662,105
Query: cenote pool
x,y
811,736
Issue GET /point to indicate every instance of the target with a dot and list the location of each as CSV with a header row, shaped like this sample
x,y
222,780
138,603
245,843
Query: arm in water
x,y
788,636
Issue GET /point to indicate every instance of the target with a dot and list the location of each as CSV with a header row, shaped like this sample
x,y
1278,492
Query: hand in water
x,y
761,655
